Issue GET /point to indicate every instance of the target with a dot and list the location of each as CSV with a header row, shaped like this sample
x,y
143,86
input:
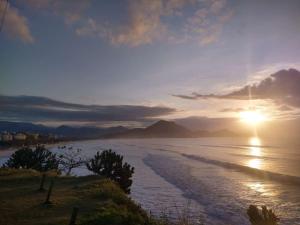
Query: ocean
x,y
211,179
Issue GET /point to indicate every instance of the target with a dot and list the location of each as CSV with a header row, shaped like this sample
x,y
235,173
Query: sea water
x,y
210,179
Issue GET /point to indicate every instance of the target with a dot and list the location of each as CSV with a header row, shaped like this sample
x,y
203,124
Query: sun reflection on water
x,y
263,188
255,151
255,163
255,146
257,186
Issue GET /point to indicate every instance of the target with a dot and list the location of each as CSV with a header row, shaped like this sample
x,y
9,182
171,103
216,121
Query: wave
x,y
217,208
251,156
263,174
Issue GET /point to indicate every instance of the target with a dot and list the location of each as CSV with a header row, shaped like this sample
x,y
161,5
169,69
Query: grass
x,y
100,201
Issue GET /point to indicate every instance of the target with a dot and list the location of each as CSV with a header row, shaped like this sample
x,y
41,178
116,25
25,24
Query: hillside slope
x,y
96,198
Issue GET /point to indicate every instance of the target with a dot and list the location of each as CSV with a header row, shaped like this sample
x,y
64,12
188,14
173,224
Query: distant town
x,y
12,139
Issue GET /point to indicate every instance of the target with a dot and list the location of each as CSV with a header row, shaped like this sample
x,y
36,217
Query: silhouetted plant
x,y
40,159
71,159
261,216
110,165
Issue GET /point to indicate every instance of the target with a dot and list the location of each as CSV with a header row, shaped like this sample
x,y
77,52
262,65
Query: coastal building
x,y
32,136
6,137
20,137
35,136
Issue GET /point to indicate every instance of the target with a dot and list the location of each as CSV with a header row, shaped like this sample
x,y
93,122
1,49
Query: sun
x,y
252,117
255,141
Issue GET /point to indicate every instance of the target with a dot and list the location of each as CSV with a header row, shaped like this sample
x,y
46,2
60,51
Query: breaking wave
x,y
218,208
287,179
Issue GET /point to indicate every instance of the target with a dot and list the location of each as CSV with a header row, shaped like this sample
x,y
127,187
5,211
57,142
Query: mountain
x,y
24,127
168,129
159,129
64,131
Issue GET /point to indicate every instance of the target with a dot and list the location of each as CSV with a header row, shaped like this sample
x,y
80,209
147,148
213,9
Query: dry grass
x,y
22,203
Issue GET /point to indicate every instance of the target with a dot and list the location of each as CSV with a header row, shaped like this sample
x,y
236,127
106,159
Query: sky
x,y
79,61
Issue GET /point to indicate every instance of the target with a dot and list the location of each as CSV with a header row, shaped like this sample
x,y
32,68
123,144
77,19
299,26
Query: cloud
x,y
282,87
40,109
71,11
143,26
195,96
206,123
232,109
15,25
284,108
147,21
150,21
207,22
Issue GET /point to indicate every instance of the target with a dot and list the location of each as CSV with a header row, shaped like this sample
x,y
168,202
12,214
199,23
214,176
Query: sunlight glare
x,y
255,144
254,163
252,117
254,141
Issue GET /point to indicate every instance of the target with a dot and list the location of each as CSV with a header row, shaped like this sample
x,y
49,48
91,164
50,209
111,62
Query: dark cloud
x,y
190,97
40,109
283,87
205,123
232,110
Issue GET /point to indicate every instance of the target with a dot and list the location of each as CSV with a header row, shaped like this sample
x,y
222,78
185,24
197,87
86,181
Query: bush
x,y
261,217
40,159
110,165
113,214
71,159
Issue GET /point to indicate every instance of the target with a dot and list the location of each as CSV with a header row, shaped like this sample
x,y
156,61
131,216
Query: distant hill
x,y
64,131
160,129
157,130
167,129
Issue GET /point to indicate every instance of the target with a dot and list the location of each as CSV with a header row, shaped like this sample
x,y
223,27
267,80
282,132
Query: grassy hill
x,y
99,200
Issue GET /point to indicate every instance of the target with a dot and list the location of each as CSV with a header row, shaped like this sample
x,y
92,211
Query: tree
x,y
110,165
71,159
40,159
262,217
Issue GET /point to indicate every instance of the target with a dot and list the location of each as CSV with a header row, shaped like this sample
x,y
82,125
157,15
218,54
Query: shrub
x,y
261,217
113,214
71,159
110,165
40,159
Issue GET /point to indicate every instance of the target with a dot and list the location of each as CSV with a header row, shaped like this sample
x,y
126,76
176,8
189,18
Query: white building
x,y
5,137
20,137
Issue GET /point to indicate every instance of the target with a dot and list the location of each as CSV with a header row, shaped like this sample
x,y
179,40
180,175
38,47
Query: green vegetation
x,y
70,159
262,217
40,159
110,165
107,163
99,200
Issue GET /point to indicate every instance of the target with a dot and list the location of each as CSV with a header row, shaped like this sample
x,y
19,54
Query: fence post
x,y
42,183
73,216
49,192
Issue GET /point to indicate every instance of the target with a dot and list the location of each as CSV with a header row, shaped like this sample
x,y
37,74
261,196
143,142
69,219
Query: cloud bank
x,y
15,25
173,21
147,22
283,87
40,109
